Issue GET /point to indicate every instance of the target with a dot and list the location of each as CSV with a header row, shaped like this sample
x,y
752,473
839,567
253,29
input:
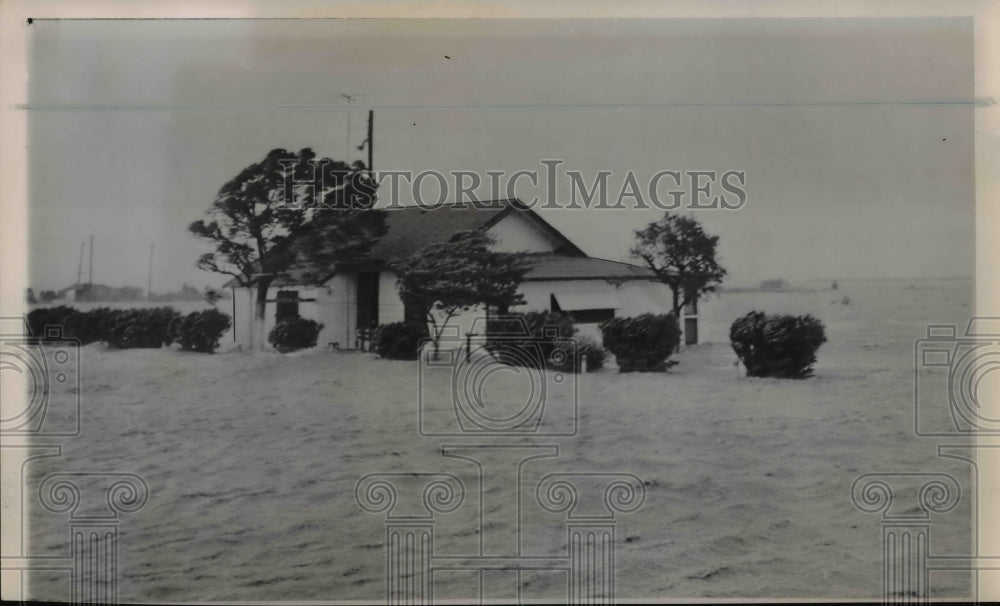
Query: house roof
x,y
561,267
412,228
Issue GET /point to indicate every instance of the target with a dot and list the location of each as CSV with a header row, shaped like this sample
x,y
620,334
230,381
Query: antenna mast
x,y
347,144
79,265
149,279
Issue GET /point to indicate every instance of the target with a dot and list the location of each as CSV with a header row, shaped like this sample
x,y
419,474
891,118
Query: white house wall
x,y
514,233
335,306
244,304
635,298
339,311
390,306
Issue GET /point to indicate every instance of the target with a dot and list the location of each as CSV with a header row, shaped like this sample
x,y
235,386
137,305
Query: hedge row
x,y
533,340
768,346
542,340
150,327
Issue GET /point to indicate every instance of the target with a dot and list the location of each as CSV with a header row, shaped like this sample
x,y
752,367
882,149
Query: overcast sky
x,y
855,135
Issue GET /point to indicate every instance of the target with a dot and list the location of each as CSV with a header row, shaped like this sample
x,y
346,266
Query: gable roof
x,y
412,228
549,266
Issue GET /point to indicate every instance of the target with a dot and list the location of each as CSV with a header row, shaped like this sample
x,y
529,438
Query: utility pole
x,y
90,272
149,279
79,266
371,141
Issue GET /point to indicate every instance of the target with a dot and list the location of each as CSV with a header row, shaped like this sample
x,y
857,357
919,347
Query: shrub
x,y
777,346
643,343
120,328
133,328
293,333
199,330
89,326
399,340
39,318
533,339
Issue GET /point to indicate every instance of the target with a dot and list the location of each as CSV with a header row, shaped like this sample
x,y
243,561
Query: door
x,y
367,299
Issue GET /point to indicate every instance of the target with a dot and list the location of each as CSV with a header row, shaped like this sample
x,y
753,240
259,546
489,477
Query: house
x,y
358,297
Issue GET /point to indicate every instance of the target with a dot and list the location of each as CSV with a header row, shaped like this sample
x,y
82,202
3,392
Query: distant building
x,y
99,292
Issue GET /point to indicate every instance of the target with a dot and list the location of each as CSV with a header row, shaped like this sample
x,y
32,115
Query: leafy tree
x,y
454,276
288,211
682,256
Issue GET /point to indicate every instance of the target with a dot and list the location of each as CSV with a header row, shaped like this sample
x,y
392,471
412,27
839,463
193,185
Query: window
x,y
585,307
589,316
287,305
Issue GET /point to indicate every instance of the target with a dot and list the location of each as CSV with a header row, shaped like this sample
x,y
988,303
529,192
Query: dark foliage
x,y
39,318
199,330
139,328
777,346
534,340
685,258
131,328
457,275
643,343
294,333
86,326
89,326
291,212
399,340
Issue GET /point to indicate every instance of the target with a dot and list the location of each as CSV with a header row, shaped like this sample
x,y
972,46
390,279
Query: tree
x,y
287,211
682,256
457,275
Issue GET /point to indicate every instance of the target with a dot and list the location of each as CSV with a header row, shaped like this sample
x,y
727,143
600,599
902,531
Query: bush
x,y
134,328
120,328
294,333
544,346
199,330
777,346
39,318
89,326
643,343
399,340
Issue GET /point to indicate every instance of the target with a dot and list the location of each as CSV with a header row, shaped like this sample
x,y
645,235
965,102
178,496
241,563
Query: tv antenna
x,y
347,146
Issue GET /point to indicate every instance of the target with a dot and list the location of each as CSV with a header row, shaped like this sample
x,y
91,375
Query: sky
x,y
855,136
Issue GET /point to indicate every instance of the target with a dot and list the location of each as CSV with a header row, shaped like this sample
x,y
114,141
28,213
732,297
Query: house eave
x,y
589,278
